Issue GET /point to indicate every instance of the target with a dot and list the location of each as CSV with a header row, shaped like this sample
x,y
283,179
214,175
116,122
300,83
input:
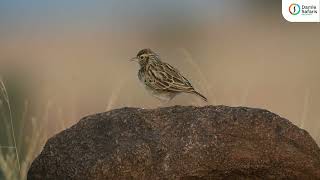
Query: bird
x,y
161,79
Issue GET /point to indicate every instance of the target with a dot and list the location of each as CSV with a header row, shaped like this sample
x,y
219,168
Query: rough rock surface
x,y
212,142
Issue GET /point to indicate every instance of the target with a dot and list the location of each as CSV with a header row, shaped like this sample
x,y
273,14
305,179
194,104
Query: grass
x,y
14,164
114,96
305,107
204,83
5,96
4,92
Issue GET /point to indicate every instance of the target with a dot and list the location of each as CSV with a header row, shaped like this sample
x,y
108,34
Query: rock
x,y
212,142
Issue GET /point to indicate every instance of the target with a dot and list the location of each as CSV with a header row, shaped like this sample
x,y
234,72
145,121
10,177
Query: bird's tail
x,y
200,95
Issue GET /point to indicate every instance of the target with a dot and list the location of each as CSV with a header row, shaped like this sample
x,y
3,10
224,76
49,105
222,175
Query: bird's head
x,y
144,56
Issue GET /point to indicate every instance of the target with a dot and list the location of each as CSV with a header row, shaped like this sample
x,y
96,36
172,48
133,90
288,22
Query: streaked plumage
x,y
160,78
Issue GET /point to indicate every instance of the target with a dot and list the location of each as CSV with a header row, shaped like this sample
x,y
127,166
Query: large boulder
x,y
212,142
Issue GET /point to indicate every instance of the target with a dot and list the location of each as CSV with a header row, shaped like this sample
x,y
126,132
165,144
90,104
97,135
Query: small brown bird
x,y
161,79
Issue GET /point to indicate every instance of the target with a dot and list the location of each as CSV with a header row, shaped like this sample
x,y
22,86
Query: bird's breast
x,y
141,75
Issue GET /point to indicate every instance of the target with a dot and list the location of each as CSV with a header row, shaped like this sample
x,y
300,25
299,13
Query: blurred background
x,y
61,60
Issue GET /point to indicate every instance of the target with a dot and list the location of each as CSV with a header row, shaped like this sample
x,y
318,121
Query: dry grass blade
x,y
6,96
305,108
114,95
9,157
204,81
7,147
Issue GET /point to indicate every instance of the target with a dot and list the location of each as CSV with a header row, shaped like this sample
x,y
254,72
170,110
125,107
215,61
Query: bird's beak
x,y
134,59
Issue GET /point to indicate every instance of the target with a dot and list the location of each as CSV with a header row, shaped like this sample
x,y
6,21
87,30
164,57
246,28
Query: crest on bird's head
x,y
145,51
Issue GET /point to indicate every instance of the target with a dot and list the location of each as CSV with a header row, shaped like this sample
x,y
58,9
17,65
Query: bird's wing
x,y
167,78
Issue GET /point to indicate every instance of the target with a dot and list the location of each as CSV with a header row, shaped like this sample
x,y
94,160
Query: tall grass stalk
x,y
114,95
32,143
22,123
204,83
304,113
5,121
6,165
4,93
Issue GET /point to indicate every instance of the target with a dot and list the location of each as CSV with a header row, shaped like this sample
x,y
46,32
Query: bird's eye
x,y
142,57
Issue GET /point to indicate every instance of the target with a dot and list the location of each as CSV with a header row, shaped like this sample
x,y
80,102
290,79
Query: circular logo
x,y
294,9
